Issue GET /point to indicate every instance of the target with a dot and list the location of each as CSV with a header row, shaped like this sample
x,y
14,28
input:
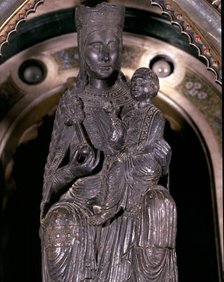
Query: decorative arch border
x,y
170,8
19,15
195,37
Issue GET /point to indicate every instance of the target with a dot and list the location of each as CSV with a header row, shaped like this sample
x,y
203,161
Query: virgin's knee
x,y
59,216
60,228
160,196
161,214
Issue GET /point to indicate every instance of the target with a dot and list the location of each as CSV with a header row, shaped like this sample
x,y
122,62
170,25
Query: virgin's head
x,y
99,40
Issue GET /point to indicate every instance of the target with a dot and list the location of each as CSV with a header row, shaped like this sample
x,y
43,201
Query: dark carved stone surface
x,y
104,217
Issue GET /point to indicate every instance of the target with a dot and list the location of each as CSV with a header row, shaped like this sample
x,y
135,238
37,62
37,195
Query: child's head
x,y
144,84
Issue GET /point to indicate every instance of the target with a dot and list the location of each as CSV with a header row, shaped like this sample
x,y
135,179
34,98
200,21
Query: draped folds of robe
x,y
137,245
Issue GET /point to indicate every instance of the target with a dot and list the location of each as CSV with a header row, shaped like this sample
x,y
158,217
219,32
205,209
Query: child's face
x,y
142,87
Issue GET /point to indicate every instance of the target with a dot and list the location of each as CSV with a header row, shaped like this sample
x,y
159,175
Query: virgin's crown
x,y
103,15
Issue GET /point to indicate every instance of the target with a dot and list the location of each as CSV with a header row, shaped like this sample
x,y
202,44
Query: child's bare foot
x,y
97,219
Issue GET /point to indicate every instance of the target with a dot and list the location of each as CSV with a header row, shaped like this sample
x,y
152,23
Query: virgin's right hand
x,y
84,160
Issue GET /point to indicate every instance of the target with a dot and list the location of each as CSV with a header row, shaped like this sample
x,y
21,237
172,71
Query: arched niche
x,y
191,104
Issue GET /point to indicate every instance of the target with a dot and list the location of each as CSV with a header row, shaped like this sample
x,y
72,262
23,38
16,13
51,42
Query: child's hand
x,y
108,107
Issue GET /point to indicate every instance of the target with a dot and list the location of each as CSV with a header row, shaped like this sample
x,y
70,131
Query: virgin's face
x,y
101,54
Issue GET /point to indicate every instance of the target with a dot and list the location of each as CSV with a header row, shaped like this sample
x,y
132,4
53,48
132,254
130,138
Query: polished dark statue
x,y
104,217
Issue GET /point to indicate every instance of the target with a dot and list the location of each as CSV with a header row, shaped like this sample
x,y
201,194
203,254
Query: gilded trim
x,y
17,16
192,24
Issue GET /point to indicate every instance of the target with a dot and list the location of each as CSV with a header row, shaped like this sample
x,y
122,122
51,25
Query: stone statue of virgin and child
x,y
104,216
